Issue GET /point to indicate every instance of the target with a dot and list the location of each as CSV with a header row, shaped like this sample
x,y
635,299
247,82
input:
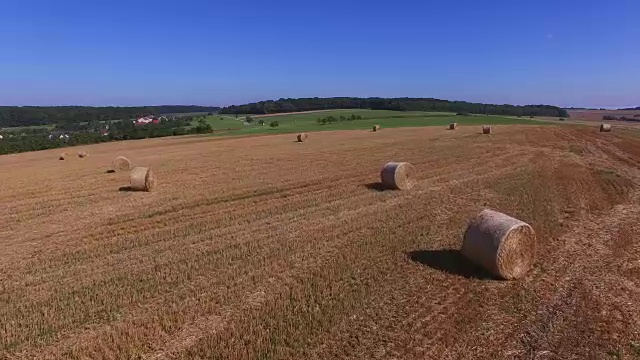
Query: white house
x,y
146,120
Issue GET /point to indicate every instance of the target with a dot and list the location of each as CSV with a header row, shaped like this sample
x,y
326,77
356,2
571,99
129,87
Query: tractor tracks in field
x,y
579,257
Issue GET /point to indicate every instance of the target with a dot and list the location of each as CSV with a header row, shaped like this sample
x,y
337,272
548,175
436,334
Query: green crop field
x,y
306,122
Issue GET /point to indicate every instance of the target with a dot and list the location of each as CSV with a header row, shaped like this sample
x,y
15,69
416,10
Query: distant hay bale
x,y
397,176
453,126
376,128
486,129
62,156
302,137
142,179
82,154
503,245
121,163
605,128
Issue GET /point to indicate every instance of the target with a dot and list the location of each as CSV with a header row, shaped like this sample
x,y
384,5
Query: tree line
x,y
635,117
397,104
14,116
21,140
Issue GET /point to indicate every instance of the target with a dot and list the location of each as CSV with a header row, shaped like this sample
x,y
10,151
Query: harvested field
x,y
596,115
260,248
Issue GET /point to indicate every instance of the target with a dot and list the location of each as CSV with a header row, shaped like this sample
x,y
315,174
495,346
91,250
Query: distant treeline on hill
x,y
13,116
398,104
635,117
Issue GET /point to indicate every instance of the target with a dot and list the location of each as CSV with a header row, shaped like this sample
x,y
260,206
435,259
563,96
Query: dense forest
x,y
399,104
13,116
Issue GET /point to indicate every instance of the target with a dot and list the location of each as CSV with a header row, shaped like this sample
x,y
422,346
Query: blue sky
x,y
134,52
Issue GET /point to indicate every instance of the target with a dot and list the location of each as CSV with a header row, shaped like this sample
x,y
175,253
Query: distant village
x,y
64,135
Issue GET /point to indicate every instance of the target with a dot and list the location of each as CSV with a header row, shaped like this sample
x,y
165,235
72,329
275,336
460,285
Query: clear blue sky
x,y
568,53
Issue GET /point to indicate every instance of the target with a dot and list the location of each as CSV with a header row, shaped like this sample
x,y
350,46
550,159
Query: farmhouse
x,y
147,120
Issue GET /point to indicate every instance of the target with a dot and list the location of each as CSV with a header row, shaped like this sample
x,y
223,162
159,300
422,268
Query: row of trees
x,y
398,104
14,116
39,139
333,119
623,118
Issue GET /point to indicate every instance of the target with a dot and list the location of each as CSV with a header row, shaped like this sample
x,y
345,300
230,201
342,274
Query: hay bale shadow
x,y
376,186
110,171
125,188
450,261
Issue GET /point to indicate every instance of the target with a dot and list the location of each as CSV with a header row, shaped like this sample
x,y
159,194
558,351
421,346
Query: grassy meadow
x,y
306,122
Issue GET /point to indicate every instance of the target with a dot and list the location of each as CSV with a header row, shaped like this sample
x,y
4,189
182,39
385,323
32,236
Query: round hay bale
x,y
486,129
376,128
453,126
121,163
142,179
503,245
302,137
62,156
397,175
605,128
82,154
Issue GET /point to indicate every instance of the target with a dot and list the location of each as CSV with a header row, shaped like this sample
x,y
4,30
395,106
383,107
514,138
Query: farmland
x,y
264,248
306,122
596,115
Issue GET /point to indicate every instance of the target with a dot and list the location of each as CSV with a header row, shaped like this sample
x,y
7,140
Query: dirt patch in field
x,y
259,248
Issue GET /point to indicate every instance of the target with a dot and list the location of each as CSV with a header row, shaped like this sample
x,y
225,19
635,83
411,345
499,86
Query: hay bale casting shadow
x,y
503,245
449,261
302,137
142,179
121,163
398,176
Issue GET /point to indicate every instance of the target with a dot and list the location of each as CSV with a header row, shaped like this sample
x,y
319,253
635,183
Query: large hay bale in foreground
x,y
302,137
605,128
486,129
397,176
376,128
62,156
142,179
82,154
121,163
503,245
453,126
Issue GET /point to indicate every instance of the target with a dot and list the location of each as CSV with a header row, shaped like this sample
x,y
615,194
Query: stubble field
x,y
264,248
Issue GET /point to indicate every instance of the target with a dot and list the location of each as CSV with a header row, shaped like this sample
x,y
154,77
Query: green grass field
x,y
291,123
18,128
